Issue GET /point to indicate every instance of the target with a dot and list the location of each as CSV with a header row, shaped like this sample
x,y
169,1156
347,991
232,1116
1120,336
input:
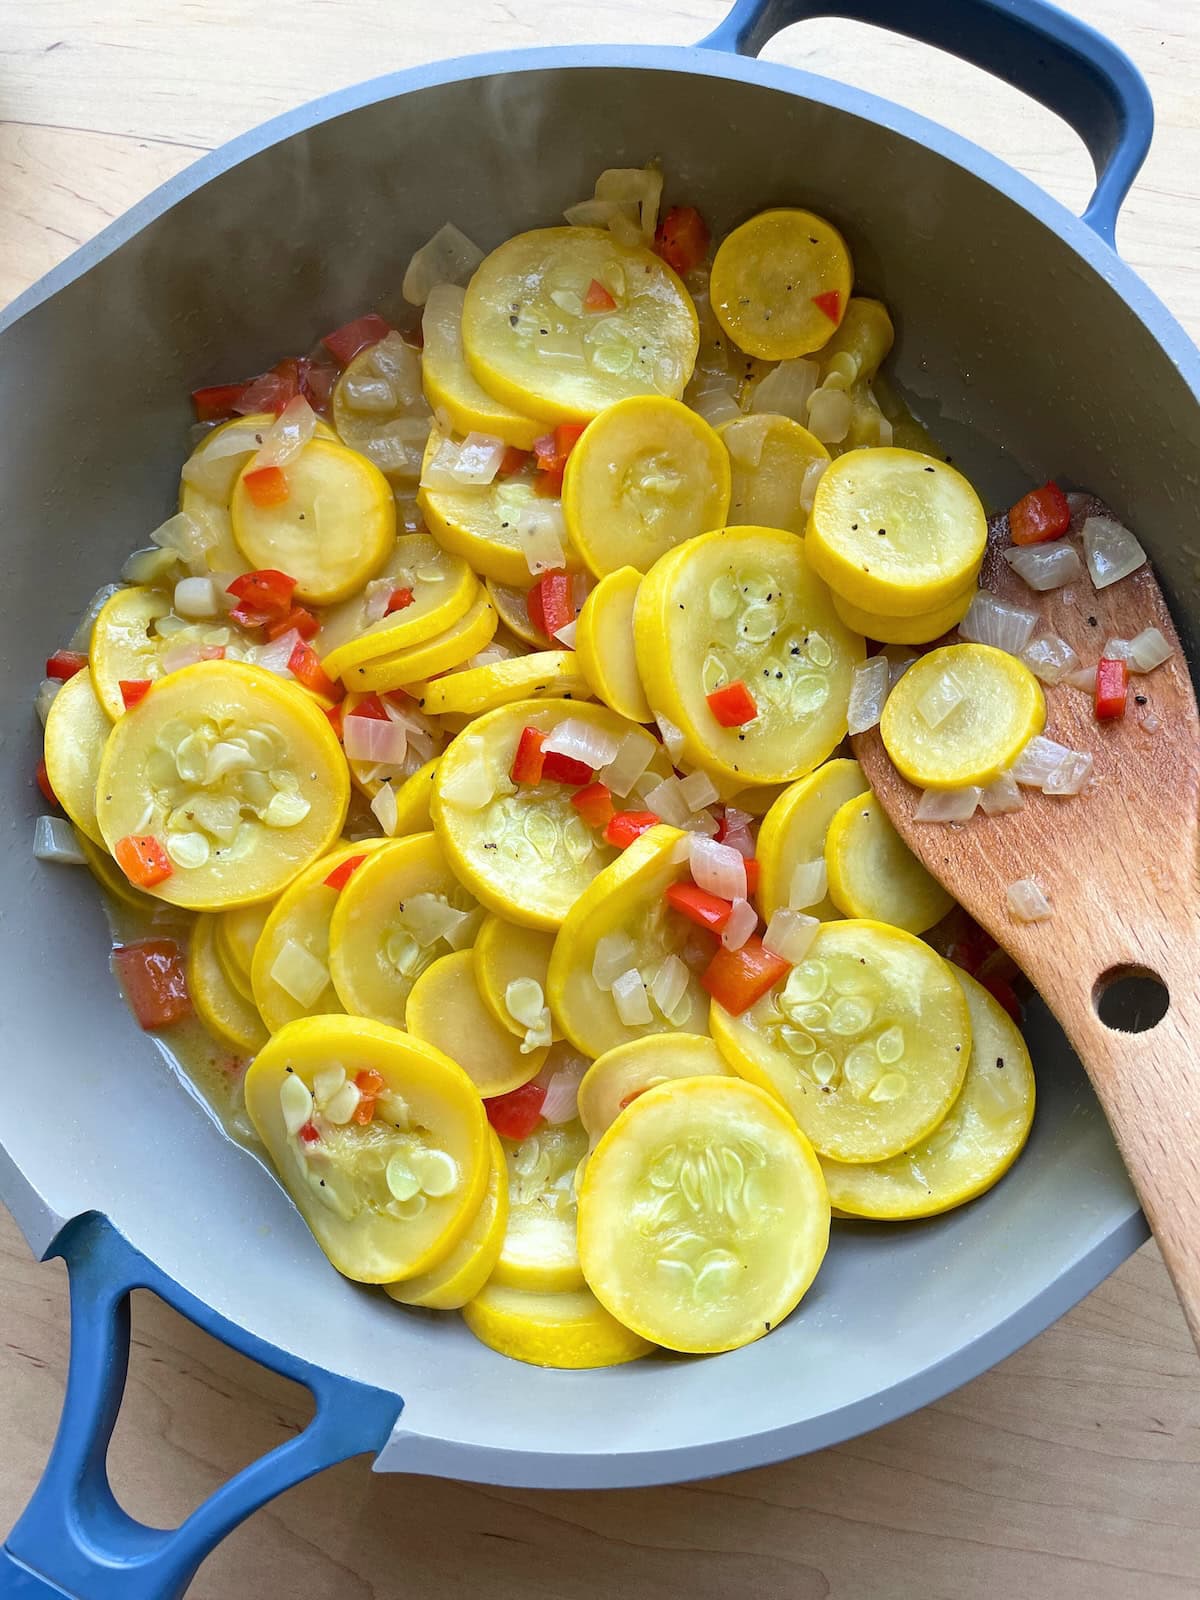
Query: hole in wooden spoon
x,y
1130,999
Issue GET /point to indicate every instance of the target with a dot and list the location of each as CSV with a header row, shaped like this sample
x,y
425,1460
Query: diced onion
x,y
439,472
808,484
185,537
299,973
1110,550
430,917
742,922
667,802
287,435
809,885
790,933
1151,722
717,867
470,783
1001,796
1045,566
948,805
369,739
542,532
376,598
614,952
942,697
592,213
787,390
582,741
274,657
449,257
716,405
479,458
1149,649
640,186
1040,758
195,597
566,635
185,654
698,790
44,698
629,996
672,737
1049,658
562,1088
829,415
703,822
152,566
424,735
384,807
54,840
868,691
634,755
669,984
995,622
1083,679
739,834
1027,902
1071,776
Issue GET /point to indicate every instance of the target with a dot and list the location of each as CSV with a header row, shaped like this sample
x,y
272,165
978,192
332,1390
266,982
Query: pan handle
x,y
1052,57
73,1541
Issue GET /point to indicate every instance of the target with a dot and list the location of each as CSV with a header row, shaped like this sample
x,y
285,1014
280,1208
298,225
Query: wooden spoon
x,y
1119,865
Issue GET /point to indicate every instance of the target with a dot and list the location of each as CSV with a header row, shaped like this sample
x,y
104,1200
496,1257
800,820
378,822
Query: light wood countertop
x,y
1072,1470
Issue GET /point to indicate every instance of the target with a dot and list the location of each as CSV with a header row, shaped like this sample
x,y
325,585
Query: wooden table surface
x,y
1072,1471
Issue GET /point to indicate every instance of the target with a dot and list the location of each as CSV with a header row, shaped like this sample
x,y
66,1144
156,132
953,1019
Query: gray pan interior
x,y
1028,347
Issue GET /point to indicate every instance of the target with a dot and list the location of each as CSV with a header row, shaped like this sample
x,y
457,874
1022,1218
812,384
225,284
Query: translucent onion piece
x,y
698,790
1083,679
298,972
592,213
948,805
152,565
185,654
868,690
187,538
430,917
274,657
717,867
582,741
739,831
1038,760
439,471
1001,796
1149,650
449,257
1071,776
561,1103
995,622
808,484
629,996
195,597
44,698
470,785
566,636
789,934
703,822
787,390
479,458
940,699
716,405
542,531
1049,658
54,840
287,435
672,737
1045,566
1027,902
829,415
376,598
634,755
1151,722
384,808
640,186
742,922
669,984
667,802
82,637
368,739
1110,550
809,885
614,952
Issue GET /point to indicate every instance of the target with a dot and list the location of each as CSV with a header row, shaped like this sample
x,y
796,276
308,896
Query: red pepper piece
x,y
699,906
594,804
266,486
528,760
551,603
370,706
1112,689
271,391
43,783
732,704
751,876
370,1085
737,978
399,600
267,592
218,402
310,1133
626,826
598,298
549,484
334,714
682,239
351,338
340,876
143,860
557,768
1041,514
830,303
64,664
305,666
133,690
515,1115
317,379
154,978
513,460
299,617
552,449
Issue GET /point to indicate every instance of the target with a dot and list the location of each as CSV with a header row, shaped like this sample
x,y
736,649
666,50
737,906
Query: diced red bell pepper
x,y
551,603
340,876
212,652
271,391
551,452
133,690
398,600
598,298
626,826
267,591
752,870
830,303
370,1085
698,905
334,715
737,978
1112,689
310,1133
548,484
371,706
266,486
732,704
513,460
154,978
682,239
528,760
1041,514
218,402
305,666
346,342
64,664
594,804
317,379
557,768
43,783
143,860
299,617
515,1115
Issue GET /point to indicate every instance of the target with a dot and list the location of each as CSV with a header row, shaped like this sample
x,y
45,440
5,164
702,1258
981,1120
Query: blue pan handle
x,y
73,1541
1050,56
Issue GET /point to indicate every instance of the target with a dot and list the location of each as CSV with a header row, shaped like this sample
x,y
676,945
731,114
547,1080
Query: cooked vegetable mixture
x,y
467,756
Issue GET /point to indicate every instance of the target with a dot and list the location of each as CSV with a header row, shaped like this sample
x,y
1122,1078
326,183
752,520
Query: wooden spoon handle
x,y
1149,1086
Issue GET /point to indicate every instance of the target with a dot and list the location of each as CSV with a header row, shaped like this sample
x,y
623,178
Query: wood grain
x,y
1071,1471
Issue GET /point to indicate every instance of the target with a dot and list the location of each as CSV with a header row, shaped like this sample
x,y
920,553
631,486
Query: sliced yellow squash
x,y
919,629
222,1008
780,283
775,464
569,1330
540,1252
450,386
446,1009
552,674
605,647
463,1273
615,1079
873,874
442,653
506,955
792,837
76,731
